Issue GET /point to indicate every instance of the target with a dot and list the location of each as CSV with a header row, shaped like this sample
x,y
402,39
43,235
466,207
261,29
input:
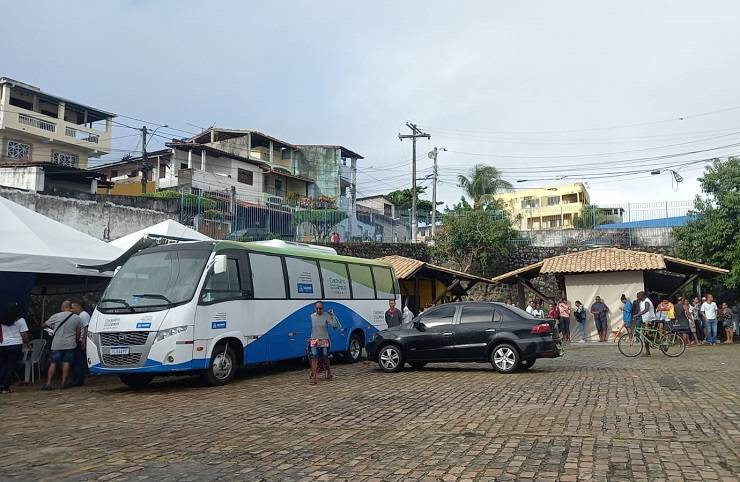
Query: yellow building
x,y
552,207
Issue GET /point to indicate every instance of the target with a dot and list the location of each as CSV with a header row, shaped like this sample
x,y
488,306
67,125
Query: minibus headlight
x,y
161,335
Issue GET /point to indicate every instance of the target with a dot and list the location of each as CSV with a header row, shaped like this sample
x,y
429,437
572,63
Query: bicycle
x,y
668,342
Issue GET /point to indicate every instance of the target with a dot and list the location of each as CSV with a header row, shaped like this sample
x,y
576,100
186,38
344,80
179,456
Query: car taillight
x,y
541,329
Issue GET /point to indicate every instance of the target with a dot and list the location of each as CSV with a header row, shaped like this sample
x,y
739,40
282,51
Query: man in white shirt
x,y
531,307
709,308
79,367
646,314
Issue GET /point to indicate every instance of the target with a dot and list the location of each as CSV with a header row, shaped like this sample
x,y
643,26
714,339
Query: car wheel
x,y
527,363
354,353
504,358
223,366
390,358
136,381
417,364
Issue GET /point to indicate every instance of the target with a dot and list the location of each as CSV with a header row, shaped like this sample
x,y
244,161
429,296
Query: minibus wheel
x,y
354,353
223,366
136,381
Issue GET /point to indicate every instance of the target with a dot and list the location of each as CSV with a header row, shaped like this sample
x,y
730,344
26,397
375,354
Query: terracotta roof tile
x,y
603,259
407,267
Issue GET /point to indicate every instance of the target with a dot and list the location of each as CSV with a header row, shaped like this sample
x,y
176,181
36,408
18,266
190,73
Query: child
x,y
725,316
580,315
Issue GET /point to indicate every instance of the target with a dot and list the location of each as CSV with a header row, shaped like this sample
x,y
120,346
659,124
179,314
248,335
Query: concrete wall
x,y
29,178
97,215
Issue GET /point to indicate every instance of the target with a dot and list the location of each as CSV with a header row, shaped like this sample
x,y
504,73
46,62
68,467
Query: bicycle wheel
x,y
630,345
672,345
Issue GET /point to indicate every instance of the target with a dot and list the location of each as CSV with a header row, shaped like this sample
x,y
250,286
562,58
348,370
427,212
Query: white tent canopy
x,y
167,229
32,243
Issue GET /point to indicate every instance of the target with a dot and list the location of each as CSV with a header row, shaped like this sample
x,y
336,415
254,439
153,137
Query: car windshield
x,y
154,281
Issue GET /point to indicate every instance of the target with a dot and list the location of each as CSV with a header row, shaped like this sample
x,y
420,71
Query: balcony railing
x,y
81,135
31,121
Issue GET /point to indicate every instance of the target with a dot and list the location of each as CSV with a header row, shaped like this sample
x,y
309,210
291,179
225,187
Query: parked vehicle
x,y
507,337
213,307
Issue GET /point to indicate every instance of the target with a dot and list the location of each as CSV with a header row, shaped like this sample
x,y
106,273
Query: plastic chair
x,y
33,360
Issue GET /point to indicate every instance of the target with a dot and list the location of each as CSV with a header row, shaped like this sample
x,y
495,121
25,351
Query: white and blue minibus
x,y
214,307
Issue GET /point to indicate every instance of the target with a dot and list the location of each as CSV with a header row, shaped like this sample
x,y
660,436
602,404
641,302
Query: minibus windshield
x,y
154,281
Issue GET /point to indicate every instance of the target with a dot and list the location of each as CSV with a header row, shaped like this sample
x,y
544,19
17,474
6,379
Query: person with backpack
x,y
580,314
13,335
66,328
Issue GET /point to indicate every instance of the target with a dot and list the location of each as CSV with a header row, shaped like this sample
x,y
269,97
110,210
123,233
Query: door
x,y
222,306
433,339
475,329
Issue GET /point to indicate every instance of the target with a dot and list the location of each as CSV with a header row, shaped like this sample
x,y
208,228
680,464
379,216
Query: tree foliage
x,y
473,237
402,200
322,219
712,235
482,184
592,215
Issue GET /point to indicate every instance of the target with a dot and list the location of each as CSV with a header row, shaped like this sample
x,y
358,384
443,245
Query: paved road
x,y
593,415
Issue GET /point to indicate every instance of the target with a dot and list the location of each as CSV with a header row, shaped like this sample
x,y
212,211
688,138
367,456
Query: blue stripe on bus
x,y
152,366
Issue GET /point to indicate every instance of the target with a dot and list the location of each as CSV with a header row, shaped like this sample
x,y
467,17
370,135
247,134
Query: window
x,y
224,281
530,202
162,171
285,154
244,176
113,173
268,276
336,280
553,200
278,185
19,150
384,284
362,282
477,314
303,277
183,165
388,210
65,159
444,315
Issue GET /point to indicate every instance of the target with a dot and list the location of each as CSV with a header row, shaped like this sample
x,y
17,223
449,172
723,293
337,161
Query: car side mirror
x,y
419,325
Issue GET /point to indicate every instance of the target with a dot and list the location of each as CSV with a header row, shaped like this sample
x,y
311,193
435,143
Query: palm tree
x,y
484,182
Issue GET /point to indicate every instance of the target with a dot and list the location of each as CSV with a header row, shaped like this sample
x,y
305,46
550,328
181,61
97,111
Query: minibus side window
x,y
384,284
336,280
362,282
268,279
303,278
226,280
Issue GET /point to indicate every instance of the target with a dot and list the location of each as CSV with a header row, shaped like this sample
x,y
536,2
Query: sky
x,y
589,91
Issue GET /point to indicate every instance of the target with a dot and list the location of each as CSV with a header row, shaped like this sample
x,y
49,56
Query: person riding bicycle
x,y
646,315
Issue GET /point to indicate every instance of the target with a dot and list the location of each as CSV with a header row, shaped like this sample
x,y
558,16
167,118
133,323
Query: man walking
x,y
626,313
599,310
66,327
709,310
79,367
393,316
698,318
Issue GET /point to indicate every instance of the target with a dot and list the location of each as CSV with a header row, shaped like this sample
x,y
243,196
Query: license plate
x,y
119,350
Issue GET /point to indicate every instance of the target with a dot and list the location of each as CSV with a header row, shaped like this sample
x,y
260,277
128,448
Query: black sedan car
x,y
504,335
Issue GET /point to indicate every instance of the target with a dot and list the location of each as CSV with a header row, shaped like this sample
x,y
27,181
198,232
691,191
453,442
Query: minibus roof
x,y
297,251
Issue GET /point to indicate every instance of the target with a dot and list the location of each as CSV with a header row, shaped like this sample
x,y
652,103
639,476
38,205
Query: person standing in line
x,y
689,312
626,313
79,367
531,307
564,310
709,309
408,315
698,318
726,317
538,312
13,335
682,319
600,312
66,326
393,316
319,340
554,315
580,315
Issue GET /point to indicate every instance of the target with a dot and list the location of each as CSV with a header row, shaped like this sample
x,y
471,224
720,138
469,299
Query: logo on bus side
x,y
218,325
305,288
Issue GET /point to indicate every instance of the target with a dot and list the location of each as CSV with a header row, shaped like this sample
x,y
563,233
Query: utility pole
x,y
415,134
145,167
433,155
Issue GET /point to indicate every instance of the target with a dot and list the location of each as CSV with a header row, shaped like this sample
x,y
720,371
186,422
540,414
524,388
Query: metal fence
x,y
224,215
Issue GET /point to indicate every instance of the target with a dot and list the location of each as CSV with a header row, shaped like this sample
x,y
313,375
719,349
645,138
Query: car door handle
x,y
491,330
447,333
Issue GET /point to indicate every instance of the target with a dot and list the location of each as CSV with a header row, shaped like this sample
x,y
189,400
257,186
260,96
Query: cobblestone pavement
x,y
592,415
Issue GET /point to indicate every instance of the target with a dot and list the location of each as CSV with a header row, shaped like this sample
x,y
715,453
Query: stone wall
x,y
376,250
103,217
